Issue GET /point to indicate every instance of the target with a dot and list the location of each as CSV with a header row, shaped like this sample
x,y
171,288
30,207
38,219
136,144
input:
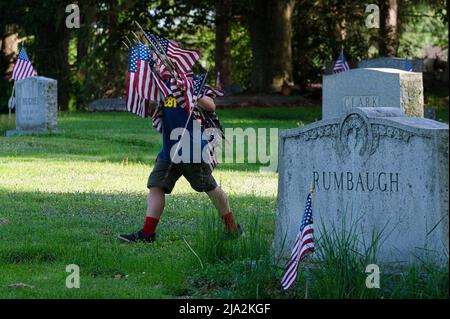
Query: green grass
x,y
64,198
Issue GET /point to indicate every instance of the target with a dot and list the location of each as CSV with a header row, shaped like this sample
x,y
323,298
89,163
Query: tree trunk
x,y
270,31
389,37
9,46
82,40
52,57
223,41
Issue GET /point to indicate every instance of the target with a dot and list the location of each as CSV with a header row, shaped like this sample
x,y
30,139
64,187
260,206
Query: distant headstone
x,y
232,89
372,88
392,63
374,168
113,105
36,106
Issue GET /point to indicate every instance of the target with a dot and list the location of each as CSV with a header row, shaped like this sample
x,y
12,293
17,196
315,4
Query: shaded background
x,y
258,46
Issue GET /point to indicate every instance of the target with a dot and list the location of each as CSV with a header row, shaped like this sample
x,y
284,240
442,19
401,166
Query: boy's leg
x,y
160,182
201,179
220,201
155,207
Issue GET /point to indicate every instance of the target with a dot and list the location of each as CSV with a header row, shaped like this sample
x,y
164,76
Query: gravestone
x,y
375,167
393,63
36,106
372,88
112,105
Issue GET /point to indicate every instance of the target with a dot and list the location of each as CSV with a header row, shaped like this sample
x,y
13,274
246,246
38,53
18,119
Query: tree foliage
x,y
90,62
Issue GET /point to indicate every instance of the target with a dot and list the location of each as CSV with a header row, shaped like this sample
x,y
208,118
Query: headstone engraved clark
x,y
36,107
372,88
374,166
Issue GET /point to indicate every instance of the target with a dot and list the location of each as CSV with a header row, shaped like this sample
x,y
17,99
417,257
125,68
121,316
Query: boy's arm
x,y
207,104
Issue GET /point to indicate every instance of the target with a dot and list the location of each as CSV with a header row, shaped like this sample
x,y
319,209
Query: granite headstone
x,y
372,88
376,167
36,106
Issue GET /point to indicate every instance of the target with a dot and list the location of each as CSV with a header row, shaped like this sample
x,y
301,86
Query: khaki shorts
x,y
199,175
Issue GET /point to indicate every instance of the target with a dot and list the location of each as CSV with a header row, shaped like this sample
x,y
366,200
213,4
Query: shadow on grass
x,y
117,137
41,233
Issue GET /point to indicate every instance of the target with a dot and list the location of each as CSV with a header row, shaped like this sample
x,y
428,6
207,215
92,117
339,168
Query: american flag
x,y
161,69
184,59
303,245
135,103
133,100
209,119
199,84
194,89
184,96
213,92
149,85
23,68
341,64
198,89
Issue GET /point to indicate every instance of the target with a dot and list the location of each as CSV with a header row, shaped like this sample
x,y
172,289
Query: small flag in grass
x,y
304,244
341,64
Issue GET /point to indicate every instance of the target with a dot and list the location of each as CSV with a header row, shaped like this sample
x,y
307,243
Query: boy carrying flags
x,y
183,102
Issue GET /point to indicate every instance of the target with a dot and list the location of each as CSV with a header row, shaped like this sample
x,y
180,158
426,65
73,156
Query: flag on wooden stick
x,y
303,245
23,68
341,64
184,59
132,97
149,85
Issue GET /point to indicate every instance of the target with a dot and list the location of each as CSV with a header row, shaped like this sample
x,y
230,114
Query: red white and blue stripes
x,y
23,68
303,245
341,64
143,84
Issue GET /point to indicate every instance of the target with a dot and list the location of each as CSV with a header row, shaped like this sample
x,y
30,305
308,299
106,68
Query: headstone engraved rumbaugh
x,y
36,106
372,88
376,167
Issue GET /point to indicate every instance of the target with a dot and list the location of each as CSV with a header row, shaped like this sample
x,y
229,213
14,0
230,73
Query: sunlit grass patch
x,y
64,198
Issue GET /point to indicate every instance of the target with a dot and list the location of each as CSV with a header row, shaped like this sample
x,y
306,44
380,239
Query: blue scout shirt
x,y
174,116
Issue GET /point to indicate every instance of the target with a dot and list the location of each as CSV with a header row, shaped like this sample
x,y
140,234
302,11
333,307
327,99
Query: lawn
x,y
64,198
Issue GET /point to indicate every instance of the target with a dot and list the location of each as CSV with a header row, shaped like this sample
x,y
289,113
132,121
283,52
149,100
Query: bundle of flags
x,y
184,59
143,85
303,245
166,70
341,64
23,68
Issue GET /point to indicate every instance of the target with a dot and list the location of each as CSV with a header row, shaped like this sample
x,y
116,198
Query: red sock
x,y
229,222
150,226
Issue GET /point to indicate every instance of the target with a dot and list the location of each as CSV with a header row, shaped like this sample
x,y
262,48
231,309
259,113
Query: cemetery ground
x,y
64,198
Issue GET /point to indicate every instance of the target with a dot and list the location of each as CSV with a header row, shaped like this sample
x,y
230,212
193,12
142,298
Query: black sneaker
x,y
233,235
138,236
